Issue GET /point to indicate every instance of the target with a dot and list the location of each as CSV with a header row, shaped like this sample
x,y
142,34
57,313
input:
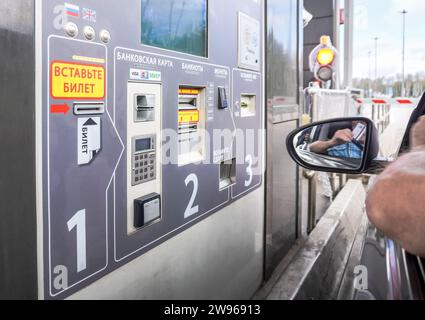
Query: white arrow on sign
x,y
89,142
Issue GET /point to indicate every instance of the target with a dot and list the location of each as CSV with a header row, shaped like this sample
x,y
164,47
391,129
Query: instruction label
x,y
77,81
89,142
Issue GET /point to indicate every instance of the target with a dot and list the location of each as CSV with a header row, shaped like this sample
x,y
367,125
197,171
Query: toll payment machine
x,y
144,115
150,120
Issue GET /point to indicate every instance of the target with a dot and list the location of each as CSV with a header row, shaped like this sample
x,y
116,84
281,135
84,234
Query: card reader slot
x,y
139,108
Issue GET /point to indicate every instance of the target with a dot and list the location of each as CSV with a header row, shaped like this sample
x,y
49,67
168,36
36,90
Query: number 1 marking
x,y
79,222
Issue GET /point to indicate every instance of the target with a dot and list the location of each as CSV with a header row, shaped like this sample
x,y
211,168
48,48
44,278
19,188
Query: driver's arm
x,y
396,203
340,137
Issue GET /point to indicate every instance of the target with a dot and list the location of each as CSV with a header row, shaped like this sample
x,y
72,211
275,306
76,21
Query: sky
x,y
382,19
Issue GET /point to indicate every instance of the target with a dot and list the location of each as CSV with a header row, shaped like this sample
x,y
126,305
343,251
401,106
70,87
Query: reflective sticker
x,y
145,75
77,81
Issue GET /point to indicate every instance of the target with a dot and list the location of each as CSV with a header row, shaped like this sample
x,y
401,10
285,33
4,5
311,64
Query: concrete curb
x,y
317,269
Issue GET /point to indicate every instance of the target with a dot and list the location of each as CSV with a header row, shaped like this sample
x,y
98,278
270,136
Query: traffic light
x,y
323,60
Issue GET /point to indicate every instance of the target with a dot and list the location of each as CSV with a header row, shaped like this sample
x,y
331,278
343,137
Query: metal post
x,y
348,50
403,85
370,74
376,63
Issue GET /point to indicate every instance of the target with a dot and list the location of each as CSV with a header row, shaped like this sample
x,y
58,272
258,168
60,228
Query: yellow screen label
x,y
189,116
77,81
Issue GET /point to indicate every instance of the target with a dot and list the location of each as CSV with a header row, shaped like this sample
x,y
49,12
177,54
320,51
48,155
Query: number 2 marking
x,y
78,221
191,209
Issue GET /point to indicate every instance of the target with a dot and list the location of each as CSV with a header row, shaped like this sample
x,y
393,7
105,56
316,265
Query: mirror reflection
x,y
335,145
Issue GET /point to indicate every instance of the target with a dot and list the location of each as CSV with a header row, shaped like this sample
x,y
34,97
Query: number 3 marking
x,y
248,160
191,209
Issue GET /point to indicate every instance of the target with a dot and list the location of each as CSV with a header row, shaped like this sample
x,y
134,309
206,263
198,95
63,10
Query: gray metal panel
x,y
282,52
283,77
282,196
219,258
18,238
100,188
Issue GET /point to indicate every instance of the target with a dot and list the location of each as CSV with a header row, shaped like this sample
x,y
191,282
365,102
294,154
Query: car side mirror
x,y
345,145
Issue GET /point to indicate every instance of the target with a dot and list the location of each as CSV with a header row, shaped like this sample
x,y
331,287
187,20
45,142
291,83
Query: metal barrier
x,y
323,104
380,114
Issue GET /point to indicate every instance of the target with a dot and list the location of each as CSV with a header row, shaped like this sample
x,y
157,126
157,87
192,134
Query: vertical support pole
x,y
376,65
348,59
403,85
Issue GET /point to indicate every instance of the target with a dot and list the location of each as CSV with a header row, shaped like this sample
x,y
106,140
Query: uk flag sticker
x,y
89,15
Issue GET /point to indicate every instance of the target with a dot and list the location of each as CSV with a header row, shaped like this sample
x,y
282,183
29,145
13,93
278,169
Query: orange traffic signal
x,y
325,56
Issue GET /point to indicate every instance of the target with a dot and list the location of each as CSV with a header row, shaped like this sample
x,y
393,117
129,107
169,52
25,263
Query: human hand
x,y
342,136
418,135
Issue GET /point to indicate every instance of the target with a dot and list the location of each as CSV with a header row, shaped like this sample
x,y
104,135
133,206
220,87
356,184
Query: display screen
x,y
143,144
178,25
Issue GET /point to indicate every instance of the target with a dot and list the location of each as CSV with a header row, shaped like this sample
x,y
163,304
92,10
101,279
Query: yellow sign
x,y
77,81
189,116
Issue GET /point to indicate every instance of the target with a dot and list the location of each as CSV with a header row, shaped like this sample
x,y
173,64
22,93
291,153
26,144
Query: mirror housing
x,y
310,160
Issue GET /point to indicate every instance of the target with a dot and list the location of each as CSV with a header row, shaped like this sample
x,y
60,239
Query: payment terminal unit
x,y
191,125
104,102
144,159
143,155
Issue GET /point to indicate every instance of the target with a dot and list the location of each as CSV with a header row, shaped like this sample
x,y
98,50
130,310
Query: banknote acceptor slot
x,y
191,125
144,136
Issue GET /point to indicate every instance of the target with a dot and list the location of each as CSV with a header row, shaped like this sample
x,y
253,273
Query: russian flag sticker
x,y
72,10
